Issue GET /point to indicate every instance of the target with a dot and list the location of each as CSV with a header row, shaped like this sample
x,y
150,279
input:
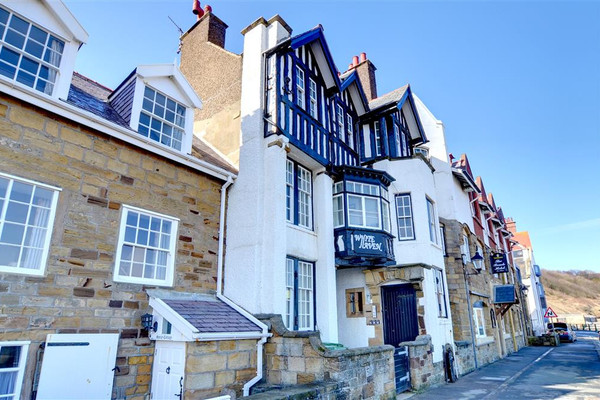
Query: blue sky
x,y
517,85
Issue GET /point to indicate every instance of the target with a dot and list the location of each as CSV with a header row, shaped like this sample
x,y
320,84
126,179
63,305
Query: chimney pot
x,y
355,61
363,56
197,9
207,9
350,66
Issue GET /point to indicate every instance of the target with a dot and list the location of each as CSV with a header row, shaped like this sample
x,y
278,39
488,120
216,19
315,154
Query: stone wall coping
x,y
462,343
421,340
275,322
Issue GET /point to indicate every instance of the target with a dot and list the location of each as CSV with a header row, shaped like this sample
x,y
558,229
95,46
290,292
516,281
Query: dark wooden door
x,y
400,324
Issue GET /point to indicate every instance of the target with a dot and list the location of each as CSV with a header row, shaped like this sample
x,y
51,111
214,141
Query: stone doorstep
x,y
310,391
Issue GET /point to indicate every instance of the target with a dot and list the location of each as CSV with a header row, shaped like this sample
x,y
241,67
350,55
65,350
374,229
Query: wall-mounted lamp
x,y
524,289
148,322
477,261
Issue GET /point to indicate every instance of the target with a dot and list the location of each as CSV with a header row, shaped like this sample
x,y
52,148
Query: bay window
x,y
366,206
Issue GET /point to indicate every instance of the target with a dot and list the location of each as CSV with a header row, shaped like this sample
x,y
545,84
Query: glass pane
x,y
130,234
26,78
155,135
170,105
160,99
4,16
166,140
149,93
17,212
35,237
9,356
21,192
9,255
154,239
165,241
149,271
166,227
145,119
3,187
161,258
126,253
151,256
155,224
142,237
43,197
144,221
38,34
9,56
146,105
31,259
137,270
161,273
124,268
14,38
12,234
6,69
34,48
139,254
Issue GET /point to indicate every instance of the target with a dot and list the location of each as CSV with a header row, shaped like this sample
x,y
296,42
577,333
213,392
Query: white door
x,y
78,366
168,370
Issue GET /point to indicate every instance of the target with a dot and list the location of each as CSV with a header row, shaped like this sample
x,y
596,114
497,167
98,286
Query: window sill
x,y
483,340
301,229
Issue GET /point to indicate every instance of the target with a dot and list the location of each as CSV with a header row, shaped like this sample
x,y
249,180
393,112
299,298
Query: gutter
x,y
264,335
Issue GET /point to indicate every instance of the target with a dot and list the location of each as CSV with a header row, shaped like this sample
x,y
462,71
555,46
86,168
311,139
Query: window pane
x,y
10,356
12,234
167,117
9,255
35,237
21,192
17,212
43,197
31,258
3,187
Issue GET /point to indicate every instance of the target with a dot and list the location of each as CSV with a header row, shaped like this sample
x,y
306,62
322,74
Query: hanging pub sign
x,y
504,294
498,262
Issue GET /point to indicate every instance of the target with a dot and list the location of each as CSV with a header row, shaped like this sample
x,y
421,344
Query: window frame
x,y
378,142
412,223
52,69
443,239
479,324
300,84
20,369
432,221
350,130
45,250
355,295
340,122
153,116
296,192
293,319
171,252
313,105
465,250
440,292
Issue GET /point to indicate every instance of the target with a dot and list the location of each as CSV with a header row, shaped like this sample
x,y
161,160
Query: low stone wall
x,y
293,358
464,360
487,353
544,340
423,371
219,367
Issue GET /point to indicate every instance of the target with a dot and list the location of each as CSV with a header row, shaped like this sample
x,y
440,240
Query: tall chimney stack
x,y
366,75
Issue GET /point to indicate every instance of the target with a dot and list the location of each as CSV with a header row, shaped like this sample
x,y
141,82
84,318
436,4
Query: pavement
x,y
570,371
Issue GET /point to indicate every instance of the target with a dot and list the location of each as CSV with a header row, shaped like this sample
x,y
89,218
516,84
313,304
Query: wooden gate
x,y
400,324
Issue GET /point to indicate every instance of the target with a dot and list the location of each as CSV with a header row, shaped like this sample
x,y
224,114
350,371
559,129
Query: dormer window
x,y
162,119
28,54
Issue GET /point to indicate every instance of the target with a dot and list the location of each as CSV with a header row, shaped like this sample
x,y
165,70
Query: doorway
x,y
168,370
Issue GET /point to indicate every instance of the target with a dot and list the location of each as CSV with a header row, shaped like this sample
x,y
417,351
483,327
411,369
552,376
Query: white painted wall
x,y
258,236
353,332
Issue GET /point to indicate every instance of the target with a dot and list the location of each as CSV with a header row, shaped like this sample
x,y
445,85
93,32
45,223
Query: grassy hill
x,y
572,292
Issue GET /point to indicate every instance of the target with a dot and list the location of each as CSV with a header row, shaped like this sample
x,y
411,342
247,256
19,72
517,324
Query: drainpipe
x,y
470,313
265,333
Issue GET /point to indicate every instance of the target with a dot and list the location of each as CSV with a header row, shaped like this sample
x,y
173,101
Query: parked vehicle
x,y
565,333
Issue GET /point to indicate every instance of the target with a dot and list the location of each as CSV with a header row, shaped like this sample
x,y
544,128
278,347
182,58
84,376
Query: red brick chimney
x,y
366,75
208,28
511,225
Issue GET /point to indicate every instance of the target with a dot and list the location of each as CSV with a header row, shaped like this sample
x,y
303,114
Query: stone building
x,y
110,213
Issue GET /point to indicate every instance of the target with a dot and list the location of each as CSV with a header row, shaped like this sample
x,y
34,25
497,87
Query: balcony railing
x,y
310,136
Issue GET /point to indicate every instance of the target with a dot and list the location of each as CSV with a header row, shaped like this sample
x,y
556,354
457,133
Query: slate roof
x,y
212,316
389,98
91,96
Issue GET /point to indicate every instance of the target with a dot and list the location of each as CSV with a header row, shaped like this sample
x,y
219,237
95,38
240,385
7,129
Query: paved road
x,y
568,372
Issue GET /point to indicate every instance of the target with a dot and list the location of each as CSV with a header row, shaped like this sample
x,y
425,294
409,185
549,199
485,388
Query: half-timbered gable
x,y
392,127
306,100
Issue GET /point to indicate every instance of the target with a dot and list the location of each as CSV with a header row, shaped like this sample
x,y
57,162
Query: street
x,y
570,371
